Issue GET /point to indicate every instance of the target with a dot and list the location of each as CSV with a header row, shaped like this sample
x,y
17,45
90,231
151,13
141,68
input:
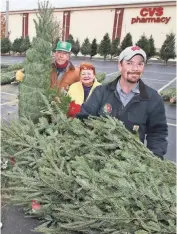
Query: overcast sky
x,y
32,4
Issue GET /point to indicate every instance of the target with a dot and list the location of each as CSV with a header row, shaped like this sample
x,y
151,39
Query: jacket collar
x,y
142,88
70,66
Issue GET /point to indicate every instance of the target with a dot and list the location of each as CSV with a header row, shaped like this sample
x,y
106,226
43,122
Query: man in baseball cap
x,y
131,63
130,52
63,73
63,46
127,98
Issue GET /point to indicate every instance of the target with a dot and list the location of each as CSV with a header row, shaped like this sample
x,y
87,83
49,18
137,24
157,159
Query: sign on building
x,y
151,15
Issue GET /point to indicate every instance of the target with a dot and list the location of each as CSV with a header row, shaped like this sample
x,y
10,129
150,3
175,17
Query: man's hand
x,y
20,75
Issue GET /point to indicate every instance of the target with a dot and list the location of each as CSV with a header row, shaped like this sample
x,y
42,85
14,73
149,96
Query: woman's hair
x,y
87,66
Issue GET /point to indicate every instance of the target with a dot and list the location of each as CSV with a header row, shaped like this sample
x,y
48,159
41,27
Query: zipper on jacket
x,y
119,110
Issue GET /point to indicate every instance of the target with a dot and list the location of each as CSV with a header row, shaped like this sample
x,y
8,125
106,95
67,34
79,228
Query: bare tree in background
x,y
49,26
56,33
3,26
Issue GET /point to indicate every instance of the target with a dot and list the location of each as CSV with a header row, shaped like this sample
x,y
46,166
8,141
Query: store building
x,y
149,18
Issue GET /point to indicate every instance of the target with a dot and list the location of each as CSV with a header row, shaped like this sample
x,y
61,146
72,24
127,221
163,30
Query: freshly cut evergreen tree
x,y
25,44
5,45
7,77
16,45
114,47
86,47
71,39
127,41
152,49
167,50
143,43
15,67
100,76
76,47
105,46
37,66
94,47
88,177
8,73
169,94
55,44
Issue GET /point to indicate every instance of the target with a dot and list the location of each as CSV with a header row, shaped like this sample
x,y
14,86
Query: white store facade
x,y
149,18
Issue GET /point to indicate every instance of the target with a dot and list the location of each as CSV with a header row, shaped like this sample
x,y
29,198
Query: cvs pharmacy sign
x,y
151,15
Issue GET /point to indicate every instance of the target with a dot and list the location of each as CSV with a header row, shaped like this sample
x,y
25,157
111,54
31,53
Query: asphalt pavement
x,y
156,75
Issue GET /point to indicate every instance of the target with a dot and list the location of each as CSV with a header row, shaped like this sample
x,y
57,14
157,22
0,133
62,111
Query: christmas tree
x,y
167,50
16,46
25,44
127,41
76,47
143,43
70,39
114,47
152,49
5,45
37,66
105,46
86,47
91,176
94,46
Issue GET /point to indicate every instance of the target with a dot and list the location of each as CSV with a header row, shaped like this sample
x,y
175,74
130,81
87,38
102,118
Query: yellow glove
x,y
20,75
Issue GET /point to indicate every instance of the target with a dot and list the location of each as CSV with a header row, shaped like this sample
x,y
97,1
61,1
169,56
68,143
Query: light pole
x,y
118,13
24,24
66,13
7,18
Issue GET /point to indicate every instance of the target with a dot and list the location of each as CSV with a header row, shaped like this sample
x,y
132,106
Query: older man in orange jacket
x,y
63,73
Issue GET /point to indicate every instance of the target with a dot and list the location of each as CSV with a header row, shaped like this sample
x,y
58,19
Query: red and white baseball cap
x,y
130,52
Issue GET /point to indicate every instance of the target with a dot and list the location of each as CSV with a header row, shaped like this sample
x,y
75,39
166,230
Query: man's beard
x,y
133,81
133,73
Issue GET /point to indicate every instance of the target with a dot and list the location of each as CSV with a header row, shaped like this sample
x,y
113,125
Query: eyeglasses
x,y
86,73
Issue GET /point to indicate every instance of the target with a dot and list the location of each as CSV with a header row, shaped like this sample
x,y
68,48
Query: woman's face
x,y
87,77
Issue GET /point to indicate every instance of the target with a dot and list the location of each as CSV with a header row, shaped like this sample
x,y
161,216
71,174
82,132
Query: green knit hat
x,y
64,46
